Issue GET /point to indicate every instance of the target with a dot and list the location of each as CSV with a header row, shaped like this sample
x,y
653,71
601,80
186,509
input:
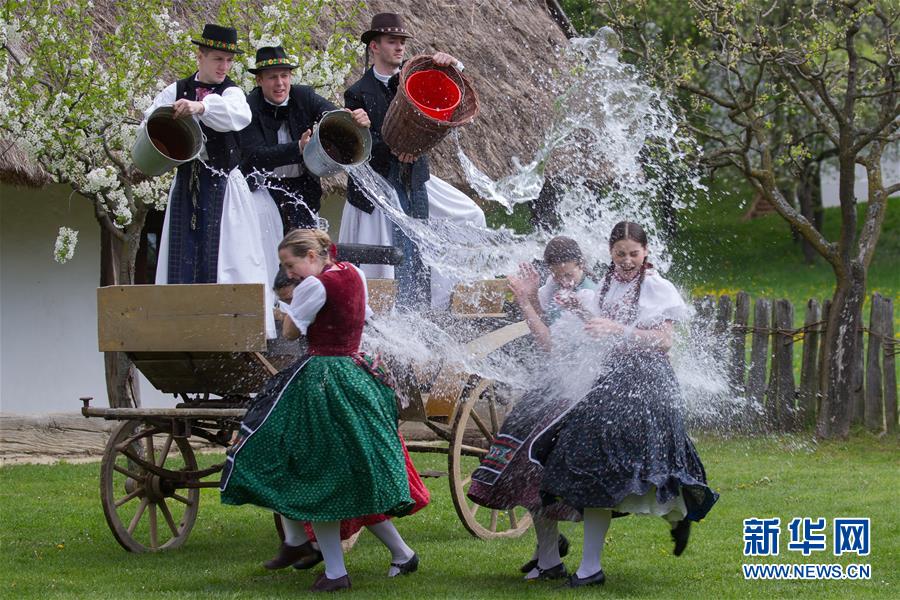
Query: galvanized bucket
x,y
336,142
163,143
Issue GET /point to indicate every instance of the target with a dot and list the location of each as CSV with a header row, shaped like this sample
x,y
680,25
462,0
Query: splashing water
x,y
612,152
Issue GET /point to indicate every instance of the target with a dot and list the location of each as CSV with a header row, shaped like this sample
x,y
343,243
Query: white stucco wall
x,y
890,174
48,311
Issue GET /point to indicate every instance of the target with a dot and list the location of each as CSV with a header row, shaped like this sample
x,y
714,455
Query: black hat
x,y
385,23
272,57
221,38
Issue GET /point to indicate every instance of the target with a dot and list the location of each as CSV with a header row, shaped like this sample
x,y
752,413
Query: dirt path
x,y
70,437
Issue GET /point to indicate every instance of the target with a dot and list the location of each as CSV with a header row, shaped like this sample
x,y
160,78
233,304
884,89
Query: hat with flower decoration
x,y
217,37
272,57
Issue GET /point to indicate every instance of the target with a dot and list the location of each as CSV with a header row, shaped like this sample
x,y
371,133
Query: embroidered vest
x,y
337,328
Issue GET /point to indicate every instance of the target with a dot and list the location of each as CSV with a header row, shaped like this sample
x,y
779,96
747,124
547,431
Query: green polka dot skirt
x,y
328,450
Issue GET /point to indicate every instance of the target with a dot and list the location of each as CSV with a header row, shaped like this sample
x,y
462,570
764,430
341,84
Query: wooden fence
x,y
769,376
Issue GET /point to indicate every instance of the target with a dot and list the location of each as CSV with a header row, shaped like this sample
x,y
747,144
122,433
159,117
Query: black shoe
x,y
410,566
311,558
597,578
323,584
288,555
563,550
557,572
680,534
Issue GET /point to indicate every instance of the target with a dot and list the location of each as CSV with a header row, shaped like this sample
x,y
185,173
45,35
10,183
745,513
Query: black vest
x,y
222,147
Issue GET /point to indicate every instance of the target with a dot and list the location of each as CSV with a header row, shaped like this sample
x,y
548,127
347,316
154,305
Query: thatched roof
x,y
506,46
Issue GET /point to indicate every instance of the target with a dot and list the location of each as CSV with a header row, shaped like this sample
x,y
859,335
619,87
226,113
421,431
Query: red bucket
x,y
433,93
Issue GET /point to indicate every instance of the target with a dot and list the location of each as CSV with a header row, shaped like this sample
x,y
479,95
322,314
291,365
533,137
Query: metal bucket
x,y
163,143
336,142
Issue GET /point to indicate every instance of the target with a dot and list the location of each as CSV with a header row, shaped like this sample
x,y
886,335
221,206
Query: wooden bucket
x,y
406,129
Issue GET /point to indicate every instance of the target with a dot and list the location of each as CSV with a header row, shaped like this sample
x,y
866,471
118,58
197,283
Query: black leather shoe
x,y
680,534
597,578
563,551
288,555
410,566
311,558
323,584
557,572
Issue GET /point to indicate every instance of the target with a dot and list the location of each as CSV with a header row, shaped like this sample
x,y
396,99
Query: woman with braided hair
x,y
623,447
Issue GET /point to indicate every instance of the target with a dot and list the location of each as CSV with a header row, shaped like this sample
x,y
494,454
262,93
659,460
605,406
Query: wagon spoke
x,y
495,421
168,516
513,519
164,453
481,425
493,526
137,516
475,508
137,492
154,539
127,473
150,453
467,481
182,499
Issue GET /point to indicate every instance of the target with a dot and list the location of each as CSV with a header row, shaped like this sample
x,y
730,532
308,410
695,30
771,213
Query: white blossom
x,y
64,249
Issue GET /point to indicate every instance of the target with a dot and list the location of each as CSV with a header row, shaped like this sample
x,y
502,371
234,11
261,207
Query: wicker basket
x,y
406,129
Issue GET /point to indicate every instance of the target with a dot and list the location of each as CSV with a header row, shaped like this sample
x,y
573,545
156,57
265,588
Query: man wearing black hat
x,y
211,230
272,145
362,222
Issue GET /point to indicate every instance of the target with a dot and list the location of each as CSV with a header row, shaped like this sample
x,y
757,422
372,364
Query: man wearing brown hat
x,y
272,145
211,232
362,222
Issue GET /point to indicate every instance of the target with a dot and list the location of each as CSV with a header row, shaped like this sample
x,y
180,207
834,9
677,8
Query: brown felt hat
x,y
385,24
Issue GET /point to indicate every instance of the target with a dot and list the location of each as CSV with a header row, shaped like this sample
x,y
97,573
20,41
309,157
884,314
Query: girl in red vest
x,y
321,443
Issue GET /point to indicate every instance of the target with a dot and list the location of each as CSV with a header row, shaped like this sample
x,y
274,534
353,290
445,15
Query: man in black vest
x,y
211,232
386,44
272,145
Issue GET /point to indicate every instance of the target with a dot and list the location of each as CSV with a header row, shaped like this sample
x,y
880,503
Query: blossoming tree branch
x,y
73,102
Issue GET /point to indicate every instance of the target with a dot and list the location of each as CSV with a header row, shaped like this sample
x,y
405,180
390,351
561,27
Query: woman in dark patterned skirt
x,y
623,447
506,478
325,446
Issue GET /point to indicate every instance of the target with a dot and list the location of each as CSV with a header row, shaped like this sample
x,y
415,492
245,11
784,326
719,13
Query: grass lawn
x,y
55,543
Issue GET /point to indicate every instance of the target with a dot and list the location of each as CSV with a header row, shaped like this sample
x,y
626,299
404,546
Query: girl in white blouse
x,y
623,447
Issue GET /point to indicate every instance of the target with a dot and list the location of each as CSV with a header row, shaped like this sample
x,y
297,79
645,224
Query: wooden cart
x,y
206,345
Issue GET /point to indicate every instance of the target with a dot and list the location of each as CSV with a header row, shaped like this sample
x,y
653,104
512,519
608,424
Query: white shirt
x,y
284,136
659,300
226,112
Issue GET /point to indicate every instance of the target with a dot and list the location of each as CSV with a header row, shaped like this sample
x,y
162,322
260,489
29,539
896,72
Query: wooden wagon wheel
x,y
476,421
148,509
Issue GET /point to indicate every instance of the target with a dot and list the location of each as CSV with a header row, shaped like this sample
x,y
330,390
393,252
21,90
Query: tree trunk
x,y
117,258
809,195
841,352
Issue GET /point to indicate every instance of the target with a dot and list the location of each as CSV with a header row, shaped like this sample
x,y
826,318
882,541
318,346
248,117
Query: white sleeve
x,y
660,301
362,276
309,298
165,97
545,294
228,112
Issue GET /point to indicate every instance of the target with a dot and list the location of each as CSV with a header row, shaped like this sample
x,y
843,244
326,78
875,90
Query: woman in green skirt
x,y
321,444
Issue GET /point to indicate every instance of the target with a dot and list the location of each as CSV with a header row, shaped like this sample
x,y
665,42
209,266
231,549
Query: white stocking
x,y
547,550
328,533
596,524
294,532
387,532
